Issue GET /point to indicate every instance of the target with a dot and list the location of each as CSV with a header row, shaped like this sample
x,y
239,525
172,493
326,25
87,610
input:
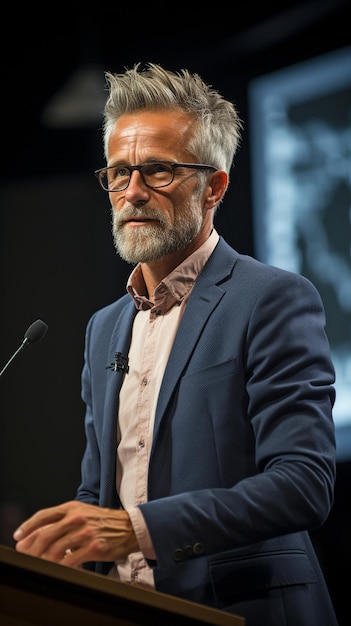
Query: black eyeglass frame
x,y
131,168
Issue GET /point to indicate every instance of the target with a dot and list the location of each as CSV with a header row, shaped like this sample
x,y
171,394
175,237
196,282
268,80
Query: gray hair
x,y
218,127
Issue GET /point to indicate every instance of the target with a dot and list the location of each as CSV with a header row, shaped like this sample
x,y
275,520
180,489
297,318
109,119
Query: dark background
x,y
57,258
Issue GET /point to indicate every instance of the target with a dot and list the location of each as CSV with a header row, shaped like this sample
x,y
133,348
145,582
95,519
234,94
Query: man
x,y
208,386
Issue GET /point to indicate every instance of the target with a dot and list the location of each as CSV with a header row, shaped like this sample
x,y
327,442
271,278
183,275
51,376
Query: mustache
x,y
134,212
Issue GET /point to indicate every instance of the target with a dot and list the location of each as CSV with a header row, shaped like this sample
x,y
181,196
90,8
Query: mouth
x,y
137,217
138,221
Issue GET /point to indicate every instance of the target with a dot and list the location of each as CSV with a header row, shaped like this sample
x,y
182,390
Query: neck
x,y
155,271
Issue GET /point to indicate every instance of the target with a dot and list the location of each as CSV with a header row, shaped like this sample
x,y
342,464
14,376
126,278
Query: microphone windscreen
x,y
36,331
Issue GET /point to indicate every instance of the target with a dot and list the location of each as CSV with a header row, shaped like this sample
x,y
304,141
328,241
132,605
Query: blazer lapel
x,y
205,296
120,341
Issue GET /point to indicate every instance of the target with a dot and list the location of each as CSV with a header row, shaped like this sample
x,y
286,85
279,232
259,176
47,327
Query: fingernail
x,y
17,534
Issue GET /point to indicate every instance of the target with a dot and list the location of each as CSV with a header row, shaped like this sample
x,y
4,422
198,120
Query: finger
x,y
40,519
93,550
72,557
36,542
48,542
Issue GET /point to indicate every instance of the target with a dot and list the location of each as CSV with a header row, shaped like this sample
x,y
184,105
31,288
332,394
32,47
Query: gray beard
x,y
149,243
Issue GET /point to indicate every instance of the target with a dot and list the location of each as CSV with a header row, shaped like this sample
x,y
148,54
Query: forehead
x,y
146,131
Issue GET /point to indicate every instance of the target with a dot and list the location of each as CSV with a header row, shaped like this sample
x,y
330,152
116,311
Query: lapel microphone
x,y
120,364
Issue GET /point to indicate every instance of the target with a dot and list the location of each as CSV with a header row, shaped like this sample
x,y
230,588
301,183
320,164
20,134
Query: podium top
x,y
33,588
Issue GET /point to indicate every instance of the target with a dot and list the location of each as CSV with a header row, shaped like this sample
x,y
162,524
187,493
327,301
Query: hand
x,y
74,533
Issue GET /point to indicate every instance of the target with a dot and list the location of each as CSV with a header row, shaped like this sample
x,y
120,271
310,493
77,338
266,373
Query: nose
x,y
136,190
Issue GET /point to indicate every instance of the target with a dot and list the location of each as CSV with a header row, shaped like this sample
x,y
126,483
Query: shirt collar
x,y
177,285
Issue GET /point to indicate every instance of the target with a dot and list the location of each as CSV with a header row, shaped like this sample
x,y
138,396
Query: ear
x,y
216,188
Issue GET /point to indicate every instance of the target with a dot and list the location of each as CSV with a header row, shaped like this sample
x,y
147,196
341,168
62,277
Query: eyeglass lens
x,y
153,174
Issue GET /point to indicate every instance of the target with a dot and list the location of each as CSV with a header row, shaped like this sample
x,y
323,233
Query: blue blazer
x,y
243,457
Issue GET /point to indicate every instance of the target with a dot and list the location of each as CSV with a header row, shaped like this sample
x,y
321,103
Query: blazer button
x,y
188,551
178,554
198,548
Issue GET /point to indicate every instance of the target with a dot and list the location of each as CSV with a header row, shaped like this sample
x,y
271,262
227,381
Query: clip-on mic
x,y
120,364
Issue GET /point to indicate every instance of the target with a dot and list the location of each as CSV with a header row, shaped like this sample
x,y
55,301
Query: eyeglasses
x,y
154,174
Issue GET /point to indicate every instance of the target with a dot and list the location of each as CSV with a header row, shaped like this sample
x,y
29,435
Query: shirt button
x,y
144,381
158,312
141,443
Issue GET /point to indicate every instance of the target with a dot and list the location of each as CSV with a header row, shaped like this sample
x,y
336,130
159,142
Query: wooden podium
x,y
34,592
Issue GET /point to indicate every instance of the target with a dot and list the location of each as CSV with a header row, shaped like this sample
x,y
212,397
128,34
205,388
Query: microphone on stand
x,y
35,332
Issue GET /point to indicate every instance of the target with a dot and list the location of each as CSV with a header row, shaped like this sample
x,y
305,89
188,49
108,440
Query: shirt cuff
x,y
142,533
